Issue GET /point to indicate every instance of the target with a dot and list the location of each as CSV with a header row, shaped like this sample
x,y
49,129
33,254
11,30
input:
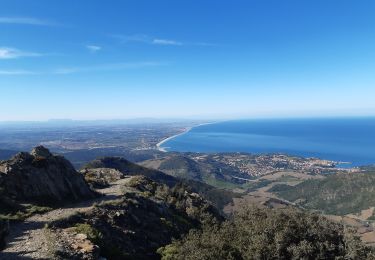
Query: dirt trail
x,y
28,239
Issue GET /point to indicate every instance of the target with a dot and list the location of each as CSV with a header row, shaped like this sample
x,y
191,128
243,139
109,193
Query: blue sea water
x,y
339,139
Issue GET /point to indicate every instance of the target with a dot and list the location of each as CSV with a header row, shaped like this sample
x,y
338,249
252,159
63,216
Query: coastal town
x,y
259,165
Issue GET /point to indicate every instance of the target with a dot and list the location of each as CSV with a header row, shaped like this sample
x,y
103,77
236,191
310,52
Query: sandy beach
x,y
158,145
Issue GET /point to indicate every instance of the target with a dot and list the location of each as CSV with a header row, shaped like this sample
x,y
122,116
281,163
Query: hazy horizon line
x,y
182,118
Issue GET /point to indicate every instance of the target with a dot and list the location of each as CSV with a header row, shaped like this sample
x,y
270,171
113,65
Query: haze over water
x,y
340,139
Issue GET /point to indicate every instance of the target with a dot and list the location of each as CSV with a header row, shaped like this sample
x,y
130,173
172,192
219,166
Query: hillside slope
x,y
128,168
214,173
338,194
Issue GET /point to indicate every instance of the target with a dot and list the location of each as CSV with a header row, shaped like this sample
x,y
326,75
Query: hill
x,y
212,172
338,194
128,168
82,156
178,166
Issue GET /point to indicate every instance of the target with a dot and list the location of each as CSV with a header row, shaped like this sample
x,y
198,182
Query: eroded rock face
x,y
43,177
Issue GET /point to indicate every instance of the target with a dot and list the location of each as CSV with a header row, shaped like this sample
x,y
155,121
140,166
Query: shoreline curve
x,y
188,129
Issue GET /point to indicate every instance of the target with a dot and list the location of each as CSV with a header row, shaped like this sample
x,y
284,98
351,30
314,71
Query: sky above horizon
x,y
190,59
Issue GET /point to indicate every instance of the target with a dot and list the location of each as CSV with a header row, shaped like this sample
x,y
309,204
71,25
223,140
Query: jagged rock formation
x,y
42,177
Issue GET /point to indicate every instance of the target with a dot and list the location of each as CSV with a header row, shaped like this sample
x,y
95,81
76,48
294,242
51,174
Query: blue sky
x,y
165,58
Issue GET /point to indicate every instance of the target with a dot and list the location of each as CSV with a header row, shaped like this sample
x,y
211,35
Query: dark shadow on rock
x,y
13,256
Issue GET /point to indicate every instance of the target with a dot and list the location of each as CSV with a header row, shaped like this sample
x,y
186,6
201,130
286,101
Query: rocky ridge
x,y
147,216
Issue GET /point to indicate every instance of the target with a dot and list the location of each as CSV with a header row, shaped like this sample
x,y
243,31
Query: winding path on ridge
x,y
27,240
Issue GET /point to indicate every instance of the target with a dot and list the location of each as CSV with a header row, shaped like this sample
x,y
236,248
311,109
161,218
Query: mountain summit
x,y
40,176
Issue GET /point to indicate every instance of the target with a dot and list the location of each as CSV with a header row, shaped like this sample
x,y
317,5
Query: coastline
x,y
188,129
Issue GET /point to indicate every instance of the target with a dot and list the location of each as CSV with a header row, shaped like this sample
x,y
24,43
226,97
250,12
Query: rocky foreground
x,y
114,209
33,239
128,216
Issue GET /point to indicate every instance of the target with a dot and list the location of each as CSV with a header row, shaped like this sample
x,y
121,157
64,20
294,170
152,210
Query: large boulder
x,y
42,177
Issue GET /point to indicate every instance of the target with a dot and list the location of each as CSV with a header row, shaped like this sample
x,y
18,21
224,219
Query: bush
x,y
257,233
92,234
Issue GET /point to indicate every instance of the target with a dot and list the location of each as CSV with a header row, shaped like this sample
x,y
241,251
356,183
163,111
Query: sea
x,y
350,141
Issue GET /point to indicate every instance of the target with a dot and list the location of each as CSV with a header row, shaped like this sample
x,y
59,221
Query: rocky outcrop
x,y
69,244
101,177
42,177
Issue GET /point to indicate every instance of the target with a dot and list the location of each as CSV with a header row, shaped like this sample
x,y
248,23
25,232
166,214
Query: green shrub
x,y
92,233
168,252
257,233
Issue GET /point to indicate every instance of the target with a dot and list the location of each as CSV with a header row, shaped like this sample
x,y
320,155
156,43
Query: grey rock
x,y
42,177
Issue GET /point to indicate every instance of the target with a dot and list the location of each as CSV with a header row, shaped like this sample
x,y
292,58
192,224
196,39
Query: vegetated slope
x,y
180,166
262,233
336,194
129,168
149,215
212,172
218,197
